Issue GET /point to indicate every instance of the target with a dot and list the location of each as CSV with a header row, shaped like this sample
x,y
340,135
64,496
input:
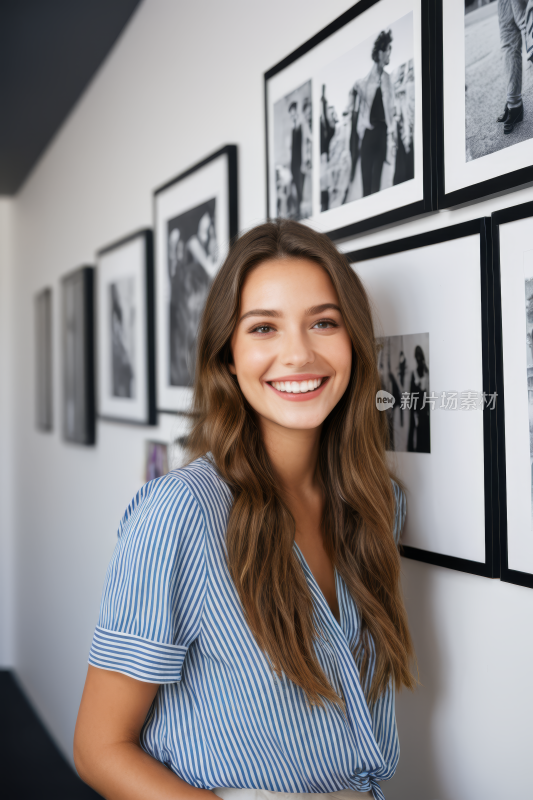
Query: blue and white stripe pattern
x,y
170,614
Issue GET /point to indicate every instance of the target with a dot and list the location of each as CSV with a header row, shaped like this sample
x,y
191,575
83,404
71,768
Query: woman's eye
x,y
262,329
322,324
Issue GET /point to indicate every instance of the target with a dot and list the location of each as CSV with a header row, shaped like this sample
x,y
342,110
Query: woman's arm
x,y
107,752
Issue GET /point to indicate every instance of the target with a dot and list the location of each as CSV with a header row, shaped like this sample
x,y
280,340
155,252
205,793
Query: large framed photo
x,y
78,356
348,121
43,360
486,52
433,301
125,330
513,257
196,216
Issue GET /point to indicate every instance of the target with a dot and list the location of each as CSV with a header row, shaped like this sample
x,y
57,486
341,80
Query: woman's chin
x,y
299,421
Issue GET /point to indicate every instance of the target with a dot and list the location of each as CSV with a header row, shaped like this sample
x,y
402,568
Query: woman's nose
x,y
297,350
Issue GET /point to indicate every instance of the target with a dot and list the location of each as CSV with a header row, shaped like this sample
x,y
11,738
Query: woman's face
x,y
291,351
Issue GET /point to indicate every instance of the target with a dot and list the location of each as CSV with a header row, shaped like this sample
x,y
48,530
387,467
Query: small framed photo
x,y
125,330
196,216
43,360
486,75
156,460
513,260
436,360
403,364
348,121
78,356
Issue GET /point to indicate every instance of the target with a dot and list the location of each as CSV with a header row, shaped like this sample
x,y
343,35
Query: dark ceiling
x,y
49,51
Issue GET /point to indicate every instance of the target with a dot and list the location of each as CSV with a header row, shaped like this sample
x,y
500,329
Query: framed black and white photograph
x,y
77,336
487,97
125,330
513,256
196,216
43,360
348,121
403,364
432,296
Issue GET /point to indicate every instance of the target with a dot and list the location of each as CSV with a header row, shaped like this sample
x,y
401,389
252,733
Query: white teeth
x,y
297,387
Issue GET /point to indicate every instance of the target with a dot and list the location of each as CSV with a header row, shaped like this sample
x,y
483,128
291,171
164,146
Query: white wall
x,y
184,79
6,416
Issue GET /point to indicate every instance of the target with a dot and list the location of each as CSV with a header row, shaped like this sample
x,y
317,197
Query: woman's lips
x,y
300,397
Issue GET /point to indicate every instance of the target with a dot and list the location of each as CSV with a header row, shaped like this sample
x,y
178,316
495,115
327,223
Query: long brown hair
x,y
359,501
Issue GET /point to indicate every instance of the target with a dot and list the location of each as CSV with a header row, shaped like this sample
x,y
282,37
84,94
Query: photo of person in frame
x,y
293,153
403,364
498,75
367,117
122,338
192,253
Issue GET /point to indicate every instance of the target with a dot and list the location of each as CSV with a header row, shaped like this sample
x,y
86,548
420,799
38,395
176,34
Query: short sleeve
x,y
401,511
154,590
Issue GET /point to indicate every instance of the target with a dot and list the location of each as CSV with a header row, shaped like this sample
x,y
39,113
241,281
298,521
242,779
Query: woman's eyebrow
x,y
319,309
261,312
269,312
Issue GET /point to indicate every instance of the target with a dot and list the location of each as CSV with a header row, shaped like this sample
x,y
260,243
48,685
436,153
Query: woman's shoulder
x,y
171,519
203,481
198,483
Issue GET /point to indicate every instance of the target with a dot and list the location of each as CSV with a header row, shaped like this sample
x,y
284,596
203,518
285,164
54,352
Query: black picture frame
x,y
428,202
490,568
44,411
140,267
499,219
211,183
78,362
500,184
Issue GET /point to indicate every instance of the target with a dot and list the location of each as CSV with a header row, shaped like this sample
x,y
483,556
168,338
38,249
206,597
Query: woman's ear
x,y
232,369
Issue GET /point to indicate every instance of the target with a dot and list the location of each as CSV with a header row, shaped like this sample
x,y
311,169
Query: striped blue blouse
x,y
170,614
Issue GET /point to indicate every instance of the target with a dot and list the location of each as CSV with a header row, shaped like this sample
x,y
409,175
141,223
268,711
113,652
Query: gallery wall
x,y
6,427
183,80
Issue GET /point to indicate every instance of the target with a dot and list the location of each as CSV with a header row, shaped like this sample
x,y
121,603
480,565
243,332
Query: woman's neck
x,y
293,455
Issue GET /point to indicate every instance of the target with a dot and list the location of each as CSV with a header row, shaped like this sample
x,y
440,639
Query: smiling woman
x,y
252,630
297,350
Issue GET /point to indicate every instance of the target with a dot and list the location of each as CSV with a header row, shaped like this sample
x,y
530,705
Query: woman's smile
x,y
298,387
